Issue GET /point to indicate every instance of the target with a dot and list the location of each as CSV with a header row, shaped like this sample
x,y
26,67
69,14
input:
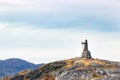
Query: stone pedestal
x,y
86,54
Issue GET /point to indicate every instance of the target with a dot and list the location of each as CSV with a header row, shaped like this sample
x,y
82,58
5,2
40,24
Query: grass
x,y
23,72
97,76
47,77
86,62
68,63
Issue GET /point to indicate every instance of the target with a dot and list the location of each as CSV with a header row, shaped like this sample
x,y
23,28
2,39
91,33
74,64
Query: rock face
x,y
72,69
86,53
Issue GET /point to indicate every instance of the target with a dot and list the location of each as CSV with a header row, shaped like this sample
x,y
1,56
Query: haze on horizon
x,y
42,31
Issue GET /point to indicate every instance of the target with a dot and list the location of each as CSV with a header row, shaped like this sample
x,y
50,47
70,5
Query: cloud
x,y
87,14
2,26
59,6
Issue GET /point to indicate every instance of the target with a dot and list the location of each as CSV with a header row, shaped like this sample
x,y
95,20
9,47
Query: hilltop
x,y
72,69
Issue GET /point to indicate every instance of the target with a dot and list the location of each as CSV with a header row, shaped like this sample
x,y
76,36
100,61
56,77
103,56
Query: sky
x,y
43,31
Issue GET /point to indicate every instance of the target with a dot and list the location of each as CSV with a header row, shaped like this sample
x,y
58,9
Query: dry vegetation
x,y
94,76
47,77
24,72
85,62
68,63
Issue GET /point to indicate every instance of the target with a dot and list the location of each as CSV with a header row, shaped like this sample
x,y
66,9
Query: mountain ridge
x,y
14,65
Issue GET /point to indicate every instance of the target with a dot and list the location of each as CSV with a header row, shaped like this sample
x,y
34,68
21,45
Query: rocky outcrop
x,y
72,69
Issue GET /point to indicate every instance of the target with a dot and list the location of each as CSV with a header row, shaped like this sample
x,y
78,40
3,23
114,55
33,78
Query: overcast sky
x,y
42,31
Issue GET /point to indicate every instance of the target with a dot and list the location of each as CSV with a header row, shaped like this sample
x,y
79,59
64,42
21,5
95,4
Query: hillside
x,y
80,68
72,69
14,65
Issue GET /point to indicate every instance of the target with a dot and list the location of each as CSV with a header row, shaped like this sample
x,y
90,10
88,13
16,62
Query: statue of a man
x,y
86,53
85,45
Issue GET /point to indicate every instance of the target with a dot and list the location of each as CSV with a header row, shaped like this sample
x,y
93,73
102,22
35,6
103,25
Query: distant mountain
x,y
14,65
72,69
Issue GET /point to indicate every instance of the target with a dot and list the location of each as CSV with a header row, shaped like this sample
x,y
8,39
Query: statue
x,y
85,45
86,53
